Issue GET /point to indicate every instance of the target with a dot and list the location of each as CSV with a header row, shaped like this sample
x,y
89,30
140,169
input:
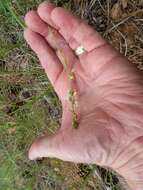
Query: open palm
x,y
109,93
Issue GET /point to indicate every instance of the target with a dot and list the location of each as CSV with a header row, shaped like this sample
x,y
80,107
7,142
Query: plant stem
x,y
72,94
73,100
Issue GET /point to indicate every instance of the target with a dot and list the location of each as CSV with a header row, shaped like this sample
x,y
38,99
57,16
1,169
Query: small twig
x,y
141,40
139,19
92,4
101,6
108,8
82,12
126,45
117,25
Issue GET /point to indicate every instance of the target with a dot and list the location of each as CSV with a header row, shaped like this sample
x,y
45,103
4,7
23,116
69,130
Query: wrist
x,y
129,164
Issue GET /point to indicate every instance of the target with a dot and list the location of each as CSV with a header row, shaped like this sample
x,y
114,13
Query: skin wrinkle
x,y
135,184
107,153
111,88
124,85
139,172
123,128
121,113
123,116
130,159
108,79
138,168
138,181
81,75
111,128
93,112
113,94
106,66
89,115
135,167
97,106
134,181
94,76
89,152
85,55
128,99
118,84
99,159
133,95
122,152
103,146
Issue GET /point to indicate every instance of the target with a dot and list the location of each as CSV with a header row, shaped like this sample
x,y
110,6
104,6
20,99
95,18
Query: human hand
x,y
109,95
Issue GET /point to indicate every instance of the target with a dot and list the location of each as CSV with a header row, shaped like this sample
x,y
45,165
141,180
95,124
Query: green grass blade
x,y
17,18
6,6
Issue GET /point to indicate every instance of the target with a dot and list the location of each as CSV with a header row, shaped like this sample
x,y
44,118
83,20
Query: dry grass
x,y
28,103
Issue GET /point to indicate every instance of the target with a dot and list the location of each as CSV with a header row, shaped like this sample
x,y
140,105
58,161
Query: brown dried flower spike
x,y
72,94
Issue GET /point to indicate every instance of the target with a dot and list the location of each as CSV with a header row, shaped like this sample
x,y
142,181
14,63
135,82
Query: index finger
x,y
73,27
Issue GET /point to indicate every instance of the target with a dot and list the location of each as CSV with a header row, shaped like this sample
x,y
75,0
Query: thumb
x,y
46,146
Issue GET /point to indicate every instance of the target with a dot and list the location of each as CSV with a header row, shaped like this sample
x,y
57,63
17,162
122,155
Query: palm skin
x,y
109,93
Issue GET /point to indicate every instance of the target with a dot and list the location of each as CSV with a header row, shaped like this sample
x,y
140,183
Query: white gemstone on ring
x,y
80,50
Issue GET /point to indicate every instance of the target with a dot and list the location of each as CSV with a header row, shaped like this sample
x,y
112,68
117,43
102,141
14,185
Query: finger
x,y
47,57
33,22
72,27
44,10
55,40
